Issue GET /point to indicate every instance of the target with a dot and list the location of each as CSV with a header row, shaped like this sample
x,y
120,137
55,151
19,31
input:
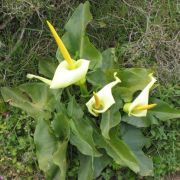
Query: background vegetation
x,y
145,34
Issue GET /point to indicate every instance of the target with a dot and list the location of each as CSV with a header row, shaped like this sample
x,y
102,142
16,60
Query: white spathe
x,y
105,96
64,76
141,100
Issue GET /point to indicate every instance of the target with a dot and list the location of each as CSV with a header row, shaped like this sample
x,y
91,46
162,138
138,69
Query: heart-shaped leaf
x,y
135,140
86,168
117,149
76,40
60,125
82,137
37,99
100,163
91,167
74,109
133,79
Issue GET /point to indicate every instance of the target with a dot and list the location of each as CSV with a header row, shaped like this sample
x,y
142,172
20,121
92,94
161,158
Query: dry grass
x,y
156,49
145,33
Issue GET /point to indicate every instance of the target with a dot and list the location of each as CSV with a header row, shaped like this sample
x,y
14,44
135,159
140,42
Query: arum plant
x,y
64,119
68,71
103,99
140,105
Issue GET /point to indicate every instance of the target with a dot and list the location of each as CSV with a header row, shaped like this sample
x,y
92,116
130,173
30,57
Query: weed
x,y
17,148
165,148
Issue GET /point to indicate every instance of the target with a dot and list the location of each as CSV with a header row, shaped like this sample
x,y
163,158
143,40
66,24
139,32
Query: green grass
x,y
166,153
145,34
17,147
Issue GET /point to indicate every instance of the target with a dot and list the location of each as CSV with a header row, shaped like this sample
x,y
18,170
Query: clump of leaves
x,y
62,117
165,154
17,148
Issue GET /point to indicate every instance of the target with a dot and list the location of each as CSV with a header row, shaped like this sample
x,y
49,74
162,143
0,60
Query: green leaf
x,y
37,99
59,158
81,131
46,145
110,119
89,52
136,121
74,109
91,167
60,125
109,60
97,78
75,39
133,79
86,168
100,78
99,164
121,153
47,67
151,119
163,111
135,140
82,137
117,150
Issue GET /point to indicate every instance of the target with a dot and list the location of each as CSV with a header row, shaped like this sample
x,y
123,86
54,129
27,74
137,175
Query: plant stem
x,y
83,89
